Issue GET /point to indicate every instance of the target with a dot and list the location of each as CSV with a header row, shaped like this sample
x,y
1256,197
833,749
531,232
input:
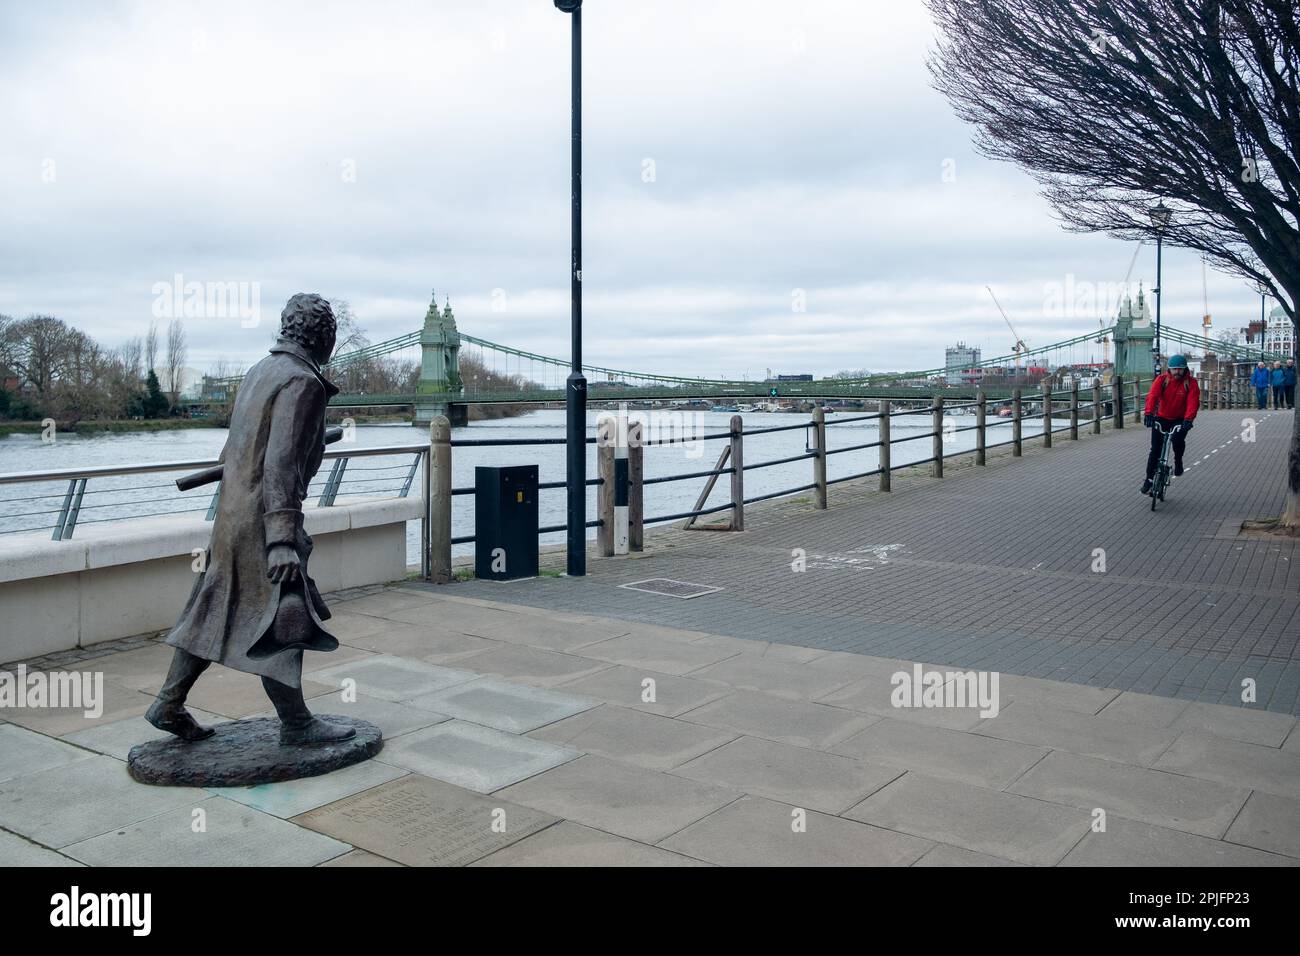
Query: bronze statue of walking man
x,y
254,606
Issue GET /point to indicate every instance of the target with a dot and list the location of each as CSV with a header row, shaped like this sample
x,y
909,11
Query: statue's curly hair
x,y
308,320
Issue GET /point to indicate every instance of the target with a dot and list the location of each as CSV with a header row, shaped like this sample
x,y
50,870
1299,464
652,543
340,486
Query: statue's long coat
x,y
275,446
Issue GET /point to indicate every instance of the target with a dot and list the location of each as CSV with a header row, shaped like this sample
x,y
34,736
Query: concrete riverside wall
x,y
117,579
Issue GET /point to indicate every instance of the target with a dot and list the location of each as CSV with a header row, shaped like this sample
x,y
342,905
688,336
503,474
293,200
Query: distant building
x,y
1279,334
959,359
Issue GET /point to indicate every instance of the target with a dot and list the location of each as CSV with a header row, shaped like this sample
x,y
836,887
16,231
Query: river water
x,y
35,506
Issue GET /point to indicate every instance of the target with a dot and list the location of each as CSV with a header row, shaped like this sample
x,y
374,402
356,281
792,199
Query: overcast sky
x,y
735,151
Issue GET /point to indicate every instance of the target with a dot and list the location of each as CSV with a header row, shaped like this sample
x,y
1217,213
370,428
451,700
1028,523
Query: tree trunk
x,y
1291,510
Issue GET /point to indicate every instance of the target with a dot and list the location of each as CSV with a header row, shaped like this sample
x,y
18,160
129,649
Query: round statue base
x,y
246,752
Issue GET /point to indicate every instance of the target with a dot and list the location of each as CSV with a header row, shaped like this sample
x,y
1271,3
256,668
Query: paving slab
x,y
1078,733
82,799
1145,709
313,661
24,752
756,832
1130,843
117,702
392,718
117,738
422,822
1235,763
664,654
645,690
503,705
437,645
1062,695
360,858
392,678
1151,796
789,774
15,851
387,603
571,844
944,855
640,804
472,756
800,723
138,669
872,693
531,665
781,678
348,628
1268,822
938,752
1266,728
986,821
292,797
768,650
647,740
231,835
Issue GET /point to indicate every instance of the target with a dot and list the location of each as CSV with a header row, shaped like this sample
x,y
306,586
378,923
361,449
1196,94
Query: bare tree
x,y
1113,105
130,355
176,355
151,348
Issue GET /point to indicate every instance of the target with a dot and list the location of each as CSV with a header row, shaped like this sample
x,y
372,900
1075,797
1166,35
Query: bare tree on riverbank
x,y
176,355
1114,105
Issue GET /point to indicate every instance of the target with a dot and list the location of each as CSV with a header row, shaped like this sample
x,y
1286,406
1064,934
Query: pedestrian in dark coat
x,y
1288,382
255,607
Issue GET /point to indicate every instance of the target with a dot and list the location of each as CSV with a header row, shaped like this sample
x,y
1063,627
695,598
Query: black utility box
x,y
505,522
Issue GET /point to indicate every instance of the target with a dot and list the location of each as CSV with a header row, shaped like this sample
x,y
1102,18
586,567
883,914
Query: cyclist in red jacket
x,y
1173,400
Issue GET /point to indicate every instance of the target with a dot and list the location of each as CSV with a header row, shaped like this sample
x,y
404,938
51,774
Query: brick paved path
x,y
992,568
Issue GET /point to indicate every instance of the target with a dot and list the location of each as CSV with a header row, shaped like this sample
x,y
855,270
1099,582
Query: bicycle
x,y
1160,481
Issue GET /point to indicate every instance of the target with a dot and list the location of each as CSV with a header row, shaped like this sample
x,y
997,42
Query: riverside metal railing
x,y
1061,411
79,503
1116,401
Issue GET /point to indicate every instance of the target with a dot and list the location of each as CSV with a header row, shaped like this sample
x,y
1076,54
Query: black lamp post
x,y
576,385
1160,216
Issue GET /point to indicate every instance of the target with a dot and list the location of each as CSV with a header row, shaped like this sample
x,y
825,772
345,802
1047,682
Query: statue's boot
x,y
168,710
297,725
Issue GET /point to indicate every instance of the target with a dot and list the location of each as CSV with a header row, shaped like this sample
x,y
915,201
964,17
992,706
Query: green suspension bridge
x,y
539,379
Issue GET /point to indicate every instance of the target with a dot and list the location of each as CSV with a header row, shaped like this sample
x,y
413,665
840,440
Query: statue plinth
x,y
246,752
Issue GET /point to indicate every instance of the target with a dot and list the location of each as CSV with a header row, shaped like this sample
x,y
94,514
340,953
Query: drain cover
x,y
671,588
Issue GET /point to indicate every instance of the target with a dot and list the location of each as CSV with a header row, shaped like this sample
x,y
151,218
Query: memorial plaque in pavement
x,y
423,822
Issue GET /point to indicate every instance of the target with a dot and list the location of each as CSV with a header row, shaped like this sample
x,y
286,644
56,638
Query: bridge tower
x,y
439,368
1134,336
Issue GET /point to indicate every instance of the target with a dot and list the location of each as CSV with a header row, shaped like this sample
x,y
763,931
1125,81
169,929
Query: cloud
x,y
373,151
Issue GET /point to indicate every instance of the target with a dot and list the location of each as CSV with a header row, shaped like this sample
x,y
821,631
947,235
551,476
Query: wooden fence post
x,y
606,430
1137,400
438,501
1117,400
1047,414
883,422
1015,423
981,409
635,495
1097,408
819,460
1074,410
936,442
738,473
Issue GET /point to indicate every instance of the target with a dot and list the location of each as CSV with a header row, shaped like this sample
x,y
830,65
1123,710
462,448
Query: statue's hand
x,y
282,564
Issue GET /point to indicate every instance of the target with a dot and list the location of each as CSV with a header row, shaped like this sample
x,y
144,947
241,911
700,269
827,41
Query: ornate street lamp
x,y
576,385
1160,216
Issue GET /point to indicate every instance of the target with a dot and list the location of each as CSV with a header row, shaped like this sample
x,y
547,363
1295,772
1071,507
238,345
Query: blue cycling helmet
x,y
1177,361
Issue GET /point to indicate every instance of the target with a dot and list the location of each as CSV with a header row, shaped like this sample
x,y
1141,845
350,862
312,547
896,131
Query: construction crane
x,y
1020,345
